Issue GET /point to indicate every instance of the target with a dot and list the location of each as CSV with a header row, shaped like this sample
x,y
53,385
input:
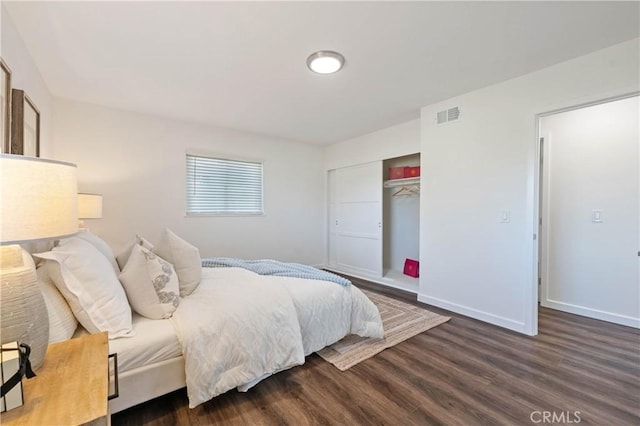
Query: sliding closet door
x,y
357,224
332,181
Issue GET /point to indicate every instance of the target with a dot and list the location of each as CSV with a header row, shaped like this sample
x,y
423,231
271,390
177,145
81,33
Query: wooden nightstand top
x,y
70,388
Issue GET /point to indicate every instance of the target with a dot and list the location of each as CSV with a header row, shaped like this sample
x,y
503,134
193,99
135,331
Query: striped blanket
x,y
273,267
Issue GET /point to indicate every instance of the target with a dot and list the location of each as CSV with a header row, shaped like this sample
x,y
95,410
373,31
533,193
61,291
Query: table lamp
x,y
89,207
38,201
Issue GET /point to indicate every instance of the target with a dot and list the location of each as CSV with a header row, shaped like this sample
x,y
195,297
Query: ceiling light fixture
x,y
325,62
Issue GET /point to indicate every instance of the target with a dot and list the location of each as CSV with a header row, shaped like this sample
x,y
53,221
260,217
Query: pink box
x,y
412,268
397,172
410,172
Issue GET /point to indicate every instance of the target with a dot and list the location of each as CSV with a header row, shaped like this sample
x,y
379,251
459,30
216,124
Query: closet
x,y
374,221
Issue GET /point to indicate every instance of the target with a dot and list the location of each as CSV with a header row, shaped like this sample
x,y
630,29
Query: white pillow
x,y
88,283
62,323
185,259
123,257
151,284
102,246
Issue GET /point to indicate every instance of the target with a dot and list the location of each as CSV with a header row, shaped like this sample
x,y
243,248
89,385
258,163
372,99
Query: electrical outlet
x,y
596,216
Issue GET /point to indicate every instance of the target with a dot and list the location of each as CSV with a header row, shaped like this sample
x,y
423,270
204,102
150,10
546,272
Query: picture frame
x,y
25,125
5,107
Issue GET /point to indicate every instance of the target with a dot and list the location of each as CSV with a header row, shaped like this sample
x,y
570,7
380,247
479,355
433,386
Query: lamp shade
x,y
38,200
89,206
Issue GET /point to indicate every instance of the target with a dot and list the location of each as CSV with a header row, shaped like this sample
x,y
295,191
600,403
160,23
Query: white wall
x,y
395,141
26,76
592,163
138,163
484,164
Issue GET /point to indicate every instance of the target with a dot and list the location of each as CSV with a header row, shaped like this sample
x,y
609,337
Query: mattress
x,y
155,341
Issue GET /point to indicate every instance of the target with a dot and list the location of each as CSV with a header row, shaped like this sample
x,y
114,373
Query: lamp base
x,y
81,226
23,313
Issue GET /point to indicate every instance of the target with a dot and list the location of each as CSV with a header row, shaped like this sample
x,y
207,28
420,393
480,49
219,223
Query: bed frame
x,y
147,382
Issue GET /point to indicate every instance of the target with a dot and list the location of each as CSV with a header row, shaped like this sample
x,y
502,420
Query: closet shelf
x,y
401,182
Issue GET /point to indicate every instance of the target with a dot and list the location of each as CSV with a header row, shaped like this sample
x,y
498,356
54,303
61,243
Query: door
x,y
332,185
355,215
590,212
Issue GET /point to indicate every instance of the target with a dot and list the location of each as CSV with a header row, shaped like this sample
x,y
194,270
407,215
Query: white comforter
x,y
238,327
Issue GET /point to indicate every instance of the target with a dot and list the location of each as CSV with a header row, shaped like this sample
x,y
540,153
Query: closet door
x,y
333,218
358,222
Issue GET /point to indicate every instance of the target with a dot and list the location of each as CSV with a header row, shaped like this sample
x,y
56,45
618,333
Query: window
x,y
219,186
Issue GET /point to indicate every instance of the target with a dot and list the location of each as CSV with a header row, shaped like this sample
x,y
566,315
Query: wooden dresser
x,y
70,388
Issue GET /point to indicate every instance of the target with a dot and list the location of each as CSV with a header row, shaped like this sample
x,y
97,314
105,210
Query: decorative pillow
x,y
151,284
185,259
62,323
123,257
87,281
101,245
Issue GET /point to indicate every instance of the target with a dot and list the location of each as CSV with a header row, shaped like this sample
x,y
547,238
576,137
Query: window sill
x,y
224,214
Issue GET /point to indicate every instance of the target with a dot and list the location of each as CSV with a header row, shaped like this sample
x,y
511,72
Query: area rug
x,y
401,321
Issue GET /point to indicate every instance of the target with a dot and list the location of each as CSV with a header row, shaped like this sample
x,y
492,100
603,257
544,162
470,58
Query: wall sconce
x,y
89,207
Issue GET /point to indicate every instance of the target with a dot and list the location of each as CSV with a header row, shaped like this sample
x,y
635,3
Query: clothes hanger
x,y
407,191
400,191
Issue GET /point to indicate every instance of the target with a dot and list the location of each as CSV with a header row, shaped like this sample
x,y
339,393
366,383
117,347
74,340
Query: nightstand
x,y
70,388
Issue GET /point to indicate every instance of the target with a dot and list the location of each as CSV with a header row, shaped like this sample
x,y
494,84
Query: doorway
x,y
589,211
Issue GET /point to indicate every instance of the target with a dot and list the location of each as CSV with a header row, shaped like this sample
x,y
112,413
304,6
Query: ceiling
x,y
242,65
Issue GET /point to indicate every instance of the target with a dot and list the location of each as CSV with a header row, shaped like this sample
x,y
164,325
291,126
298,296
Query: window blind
x,y
219,186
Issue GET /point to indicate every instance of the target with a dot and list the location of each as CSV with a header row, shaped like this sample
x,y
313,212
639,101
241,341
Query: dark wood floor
x,y
464,372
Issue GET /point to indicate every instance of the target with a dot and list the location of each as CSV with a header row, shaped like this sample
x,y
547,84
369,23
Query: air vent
x,y
451,114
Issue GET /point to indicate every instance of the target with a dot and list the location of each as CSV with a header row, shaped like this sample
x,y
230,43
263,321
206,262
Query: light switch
x,y
596,216
505,216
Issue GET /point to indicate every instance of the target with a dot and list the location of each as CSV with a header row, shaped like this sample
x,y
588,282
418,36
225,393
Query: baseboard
x,y
475,313
592,313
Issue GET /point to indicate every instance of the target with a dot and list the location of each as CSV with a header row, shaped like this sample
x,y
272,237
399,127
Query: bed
x,y
233,330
